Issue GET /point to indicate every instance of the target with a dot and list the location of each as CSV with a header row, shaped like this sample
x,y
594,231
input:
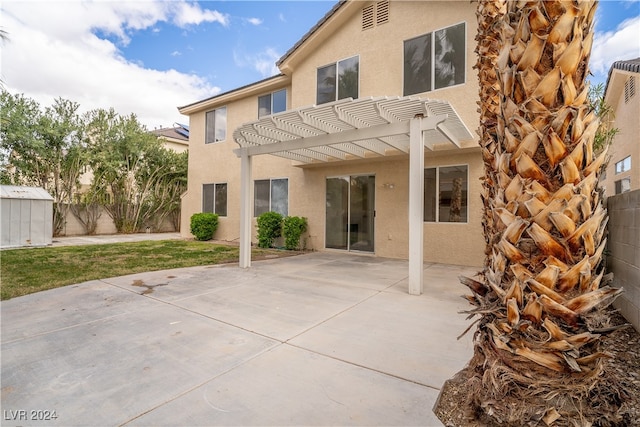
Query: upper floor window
x,y
272,103
446,194
214,198
216,127
338,81
435,60
623,165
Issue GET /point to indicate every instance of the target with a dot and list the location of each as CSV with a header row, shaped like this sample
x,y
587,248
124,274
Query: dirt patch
x,y
150,288
619,388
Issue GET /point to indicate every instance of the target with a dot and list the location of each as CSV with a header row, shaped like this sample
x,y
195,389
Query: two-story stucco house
x,y
623,169
368,132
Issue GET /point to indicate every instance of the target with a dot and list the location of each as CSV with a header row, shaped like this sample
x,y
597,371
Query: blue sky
x,y
150,56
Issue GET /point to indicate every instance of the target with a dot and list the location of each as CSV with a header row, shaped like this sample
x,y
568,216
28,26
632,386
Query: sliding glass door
x,y
350,213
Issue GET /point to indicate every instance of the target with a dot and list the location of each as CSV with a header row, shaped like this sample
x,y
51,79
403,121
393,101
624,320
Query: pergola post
x,y
416,206
245,210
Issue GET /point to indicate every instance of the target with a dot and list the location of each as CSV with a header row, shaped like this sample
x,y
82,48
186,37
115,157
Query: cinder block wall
x,y
105,226
624,252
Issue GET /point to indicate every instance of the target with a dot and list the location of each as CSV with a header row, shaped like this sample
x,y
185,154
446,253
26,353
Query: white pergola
x,y
351,129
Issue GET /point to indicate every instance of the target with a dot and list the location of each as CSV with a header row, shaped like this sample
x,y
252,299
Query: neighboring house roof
x,y
628,65
178,132
632,65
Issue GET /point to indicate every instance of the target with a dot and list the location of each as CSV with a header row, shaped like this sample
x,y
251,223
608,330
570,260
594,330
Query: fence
x,y
624,252
73,227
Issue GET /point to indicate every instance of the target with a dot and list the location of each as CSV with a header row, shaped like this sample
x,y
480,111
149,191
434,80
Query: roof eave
x,y
238,93
629,67
315,33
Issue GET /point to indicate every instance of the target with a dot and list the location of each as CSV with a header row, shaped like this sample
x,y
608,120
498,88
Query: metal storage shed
x,y
27,216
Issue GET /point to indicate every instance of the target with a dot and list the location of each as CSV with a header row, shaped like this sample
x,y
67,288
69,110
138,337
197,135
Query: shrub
x,y
203,225
269,228
293,228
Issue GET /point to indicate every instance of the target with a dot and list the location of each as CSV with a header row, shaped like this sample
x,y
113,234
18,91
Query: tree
x,y
135,176
606,132
165,199
542,292
38,148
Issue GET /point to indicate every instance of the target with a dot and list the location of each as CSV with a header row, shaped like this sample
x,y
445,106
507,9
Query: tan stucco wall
x,y
627,141
381,64
177,146
453,243
381,51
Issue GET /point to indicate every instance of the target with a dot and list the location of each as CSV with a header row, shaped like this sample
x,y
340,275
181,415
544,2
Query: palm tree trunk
x,y
542,293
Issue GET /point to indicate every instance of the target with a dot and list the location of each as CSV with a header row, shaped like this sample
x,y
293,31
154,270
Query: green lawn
x,y
25,271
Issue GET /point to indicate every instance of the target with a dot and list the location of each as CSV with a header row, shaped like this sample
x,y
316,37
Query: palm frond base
x,y
491,389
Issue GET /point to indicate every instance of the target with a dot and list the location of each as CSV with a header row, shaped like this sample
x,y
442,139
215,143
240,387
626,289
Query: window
x,y
449,202
623,185
216,130
347,72
272,103
214,198
435,60
623,165
271,195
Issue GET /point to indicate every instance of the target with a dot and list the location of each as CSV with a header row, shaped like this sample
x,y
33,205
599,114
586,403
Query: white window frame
x,y
623,165
335,65
270,194
215,113
619,182
215,185
431,34
437,195
270,95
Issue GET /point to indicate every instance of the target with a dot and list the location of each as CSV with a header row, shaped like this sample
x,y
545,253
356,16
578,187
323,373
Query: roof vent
x,y
382,12
367,17
629,88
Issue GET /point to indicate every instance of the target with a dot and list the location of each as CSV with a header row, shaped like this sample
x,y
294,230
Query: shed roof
x,y
27,193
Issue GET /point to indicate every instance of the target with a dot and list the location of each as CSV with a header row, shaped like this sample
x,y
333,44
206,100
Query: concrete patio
x,y
316,339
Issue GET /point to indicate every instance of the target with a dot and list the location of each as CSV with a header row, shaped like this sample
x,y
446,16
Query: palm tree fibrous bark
x,y
543,290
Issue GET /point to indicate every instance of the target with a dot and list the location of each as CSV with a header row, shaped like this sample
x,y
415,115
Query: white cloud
x,y
264,62
192,13
611,46
62,52
176,53
254,21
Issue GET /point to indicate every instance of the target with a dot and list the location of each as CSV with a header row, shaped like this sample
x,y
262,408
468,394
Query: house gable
x,y
622,172
367,38
354,33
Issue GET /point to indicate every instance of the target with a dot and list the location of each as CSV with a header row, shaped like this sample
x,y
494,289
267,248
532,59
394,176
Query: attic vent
x,y
367,17
629,88
382,12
